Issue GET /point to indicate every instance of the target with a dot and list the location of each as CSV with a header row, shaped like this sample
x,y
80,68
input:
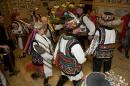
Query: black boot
x,y
63,79
46,80
77,83
8,65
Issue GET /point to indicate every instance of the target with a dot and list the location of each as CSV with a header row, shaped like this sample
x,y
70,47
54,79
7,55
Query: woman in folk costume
x,y
69,55
43,53
103,43
20,29
125,34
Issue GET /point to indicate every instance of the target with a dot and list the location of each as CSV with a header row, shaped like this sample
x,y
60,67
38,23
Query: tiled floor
x,y
120,66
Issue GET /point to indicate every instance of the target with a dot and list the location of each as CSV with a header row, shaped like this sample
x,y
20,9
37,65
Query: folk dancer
x,y
69,55
103,43
43,53
87,27
20,29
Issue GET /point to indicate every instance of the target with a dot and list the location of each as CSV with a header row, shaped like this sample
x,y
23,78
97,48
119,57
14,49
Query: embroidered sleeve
x,y
15,28
93,45
56,49
77,51
90,25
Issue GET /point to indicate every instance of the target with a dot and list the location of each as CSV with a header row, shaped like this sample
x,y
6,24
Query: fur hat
x,y
108,16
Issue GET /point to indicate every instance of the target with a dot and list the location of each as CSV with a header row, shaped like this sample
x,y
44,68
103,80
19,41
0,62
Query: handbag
x,y
36,58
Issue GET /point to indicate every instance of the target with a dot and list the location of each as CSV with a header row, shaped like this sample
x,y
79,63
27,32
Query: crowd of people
x,y
64,45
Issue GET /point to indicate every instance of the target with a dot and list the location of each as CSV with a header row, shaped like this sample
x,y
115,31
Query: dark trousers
x,y
99,62
8,62
63,79
46,80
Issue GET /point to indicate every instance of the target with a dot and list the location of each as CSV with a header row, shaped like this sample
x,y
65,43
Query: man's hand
x,y
4,46
90,37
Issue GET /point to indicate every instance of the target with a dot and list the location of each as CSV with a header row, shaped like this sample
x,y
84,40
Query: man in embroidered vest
x,y
103,44
87,27
72,55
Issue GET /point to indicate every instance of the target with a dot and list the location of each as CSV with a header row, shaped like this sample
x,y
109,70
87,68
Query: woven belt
x,y
107,46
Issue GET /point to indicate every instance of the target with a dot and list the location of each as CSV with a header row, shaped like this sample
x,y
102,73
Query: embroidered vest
x,y
21,28
67,63
104,50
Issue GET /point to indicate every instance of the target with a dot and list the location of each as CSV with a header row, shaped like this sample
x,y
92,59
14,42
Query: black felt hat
x,y
97,79
108,16
108,13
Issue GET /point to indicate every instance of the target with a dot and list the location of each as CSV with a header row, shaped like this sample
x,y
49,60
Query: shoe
x,y
47,84
14,73
35,76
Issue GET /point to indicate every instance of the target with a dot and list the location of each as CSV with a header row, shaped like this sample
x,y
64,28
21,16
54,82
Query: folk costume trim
x,y
37,59
104,50
68,64
21,28
109,23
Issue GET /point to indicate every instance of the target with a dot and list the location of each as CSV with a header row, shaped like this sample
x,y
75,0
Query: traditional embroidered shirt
x,y
77,51
44,41
110,38
89,24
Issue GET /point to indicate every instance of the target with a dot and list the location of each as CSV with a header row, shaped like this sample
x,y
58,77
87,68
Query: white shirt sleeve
x,y
77,51
56,49
90,25
58,27
94,44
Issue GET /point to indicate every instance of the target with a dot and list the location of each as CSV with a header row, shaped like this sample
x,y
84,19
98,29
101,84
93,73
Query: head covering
x,y
69,18
107,19
108,16
40,25
97,79
70,24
